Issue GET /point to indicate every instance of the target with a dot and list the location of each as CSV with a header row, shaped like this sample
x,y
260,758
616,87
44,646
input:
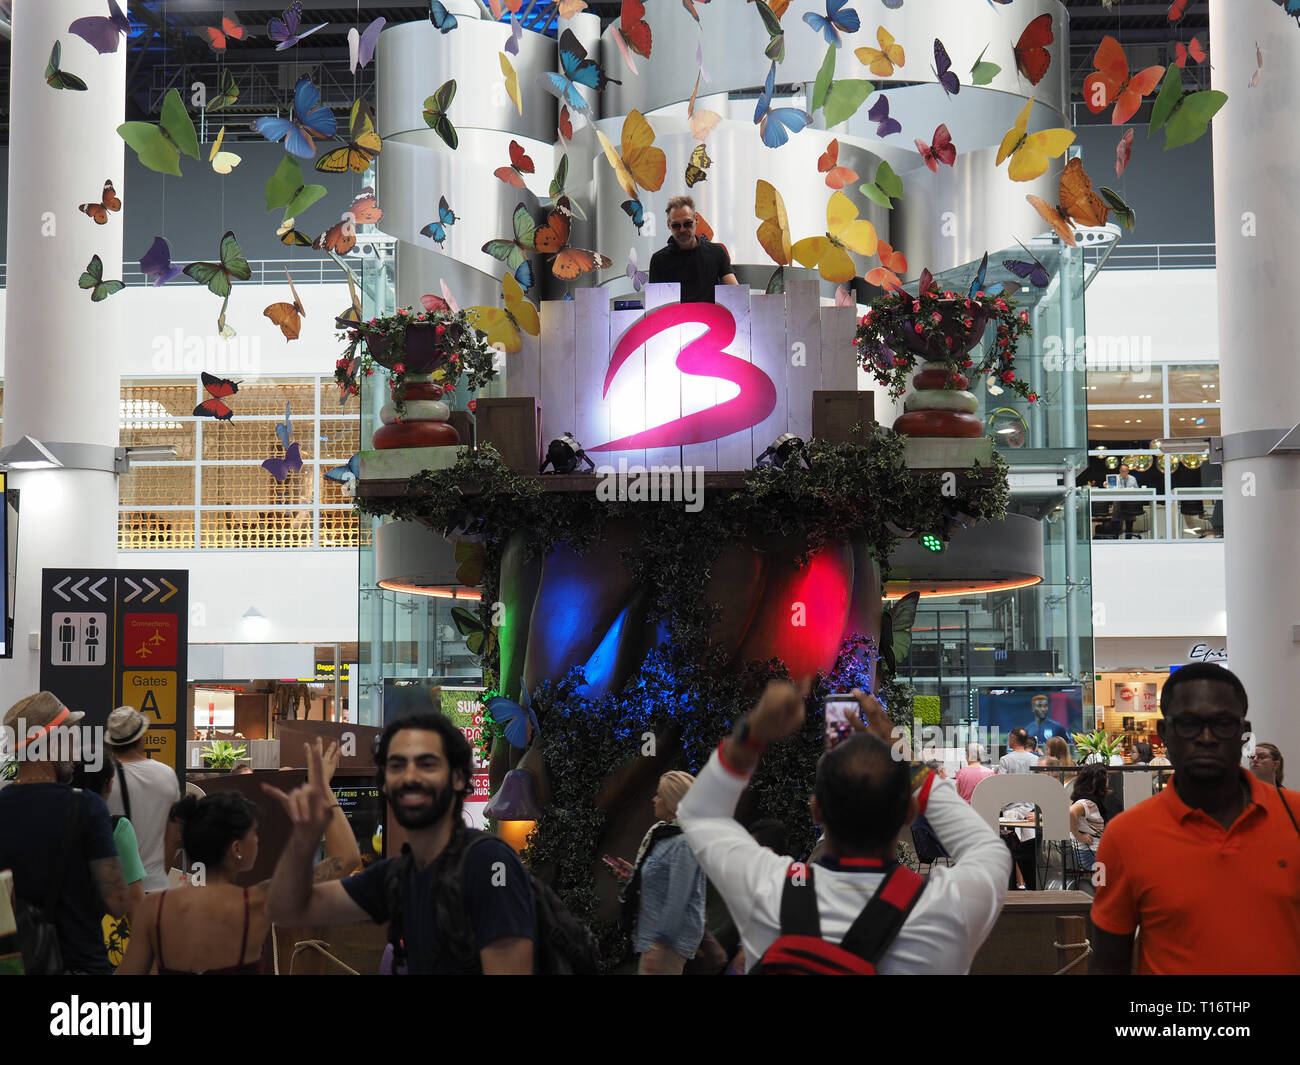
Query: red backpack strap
x,y
882,919
799,915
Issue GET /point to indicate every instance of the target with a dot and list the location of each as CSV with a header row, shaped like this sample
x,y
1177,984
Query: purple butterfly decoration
x,y
879,114
361,45
943,69
281,468
516,32
284,30
157,262
100,32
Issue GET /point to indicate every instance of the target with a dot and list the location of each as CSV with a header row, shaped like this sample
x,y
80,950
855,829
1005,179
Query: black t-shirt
x,y
697,270
33,820
498,899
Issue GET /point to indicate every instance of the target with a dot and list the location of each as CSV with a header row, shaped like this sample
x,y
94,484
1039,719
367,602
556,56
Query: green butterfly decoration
x,y
1183,116
896,631
435,113
285,189
219,275
228,94
838,100
775,49
886,188
479,638
93,278
982,73
557,189
1124,214
61,79
776,283
160,146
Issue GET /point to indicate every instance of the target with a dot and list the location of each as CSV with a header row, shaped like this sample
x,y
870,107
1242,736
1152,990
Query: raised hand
x,y
779,713
310,807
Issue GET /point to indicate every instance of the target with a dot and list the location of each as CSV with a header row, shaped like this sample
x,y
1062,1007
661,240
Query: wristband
x,y
742,736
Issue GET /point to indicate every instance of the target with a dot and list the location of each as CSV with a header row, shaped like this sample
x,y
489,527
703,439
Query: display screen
x,y
363,806
1042,712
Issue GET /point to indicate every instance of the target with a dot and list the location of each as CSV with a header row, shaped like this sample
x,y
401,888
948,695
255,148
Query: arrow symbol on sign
x,y
94,590
153,589
172,592
58,590
135,589
76,589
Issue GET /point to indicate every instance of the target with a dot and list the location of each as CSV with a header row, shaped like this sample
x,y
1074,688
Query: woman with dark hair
x,y
1086,820
1142,753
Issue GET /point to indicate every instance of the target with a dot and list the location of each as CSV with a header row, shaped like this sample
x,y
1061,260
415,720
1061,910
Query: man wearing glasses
x,y
1209,869
693,261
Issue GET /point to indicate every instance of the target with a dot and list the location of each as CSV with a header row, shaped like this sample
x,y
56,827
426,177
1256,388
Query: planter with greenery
x,y
1097,746
222,754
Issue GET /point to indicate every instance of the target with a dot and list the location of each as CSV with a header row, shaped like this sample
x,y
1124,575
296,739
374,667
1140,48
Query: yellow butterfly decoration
x,y
639,162
703,121
512,82
1030,153
695,169
845,232
222,162
504,325
882,61
774,230
363,144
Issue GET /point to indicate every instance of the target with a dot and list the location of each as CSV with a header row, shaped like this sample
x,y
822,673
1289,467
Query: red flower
x,y
919,327
948,295
1003,342
936,317
401,310
979,295
1033,397
472,405
899,360
948,341
916,306
1008,376
1024,316
968,305
399,367
967,363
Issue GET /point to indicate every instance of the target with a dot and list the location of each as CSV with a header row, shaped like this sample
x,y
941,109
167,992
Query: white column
x,y
1256,171
62,352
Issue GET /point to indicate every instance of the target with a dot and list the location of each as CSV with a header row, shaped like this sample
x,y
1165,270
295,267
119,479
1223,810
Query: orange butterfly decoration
x,y
702,120
108,201
836,176
1112,82
342,236
887,275
520,164
565,124
1192,49
288,316
1079,204
553,239
779,7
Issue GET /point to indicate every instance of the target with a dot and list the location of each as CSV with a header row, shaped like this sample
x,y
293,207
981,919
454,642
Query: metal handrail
x,y
1126,256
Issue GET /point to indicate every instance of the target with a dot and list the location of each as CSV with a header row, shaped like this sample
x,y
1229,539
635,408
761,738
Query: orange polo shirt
x,y
1208,899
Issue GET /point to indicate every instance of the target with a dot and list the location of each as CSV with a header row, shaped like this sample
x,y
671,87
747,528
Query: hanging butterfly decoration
x,y
108,201
479,638
435,113
1184,116
157,263
882,61
1031,153
291,462
943,71
227,95
219,37
520,722
1112,83
635,274
695,169
516,35
288,316
443,20
838,99
879,114
940,149
1259,67
633,28
637,162
1179,7
896,631
564,125
1192,50
775,49
885,188
61,79
774,223
690,8
567,263
845,233
309,122
575,70
437,229
836,21
222,162
362,148
1078,204
982,72
702,120
511,81
346,475
285,188
103,33
1123,152
775,124
219,389
93,278
342,236
159,147
361,44
888,275
1031,270
506,325
1291,7
1032,56
285,29
218,276
514,252
1124,214
557,189
520,164
836,176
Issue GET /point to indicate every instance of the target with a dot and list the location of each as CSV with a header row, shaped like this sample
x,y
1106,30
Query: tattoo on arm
x,y
329,869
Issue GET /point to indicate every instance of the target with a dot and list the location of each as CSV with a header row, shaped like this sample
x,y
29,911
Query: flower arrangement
x,y
442,344
900,330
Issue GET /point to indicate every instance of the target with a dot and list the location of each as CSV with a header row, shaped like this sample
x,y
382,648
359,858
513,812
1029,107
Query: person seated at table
x,y
1086,820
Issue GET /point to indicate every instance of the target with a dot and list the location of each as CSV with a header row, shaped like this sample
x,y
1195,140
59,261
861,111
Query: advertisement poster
x,y
1133,698
403,695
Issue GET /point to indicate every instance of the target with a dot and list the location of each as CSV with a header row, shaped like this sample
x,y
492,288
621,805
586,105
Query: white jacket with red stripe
x,y
954,915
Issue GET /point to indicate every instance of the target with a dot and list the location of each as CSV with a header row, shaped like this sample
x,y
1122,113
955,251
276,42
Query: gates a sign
x,y
118,638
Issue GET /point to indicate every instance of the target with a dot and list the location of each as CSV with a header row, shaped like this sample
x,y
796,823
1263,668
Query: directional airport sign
x,y
114,638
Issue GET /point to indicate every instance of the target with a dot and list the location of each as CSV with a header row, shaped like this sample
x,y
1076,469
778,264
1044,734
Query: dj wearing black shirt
x,y
694,262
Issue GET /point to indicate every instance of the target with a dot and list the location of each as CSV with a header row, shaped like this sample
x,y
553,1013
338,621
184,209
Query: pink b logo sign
x,y
702,357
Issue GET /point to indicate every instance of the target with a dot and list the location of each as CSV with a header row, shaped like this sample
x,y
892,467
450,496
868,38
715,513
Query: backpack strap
x,y
882,919
799,916
1287,808
126,794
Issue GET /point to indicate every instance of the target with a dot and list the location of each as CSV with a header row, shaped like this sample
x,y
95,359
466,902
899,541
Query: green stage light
x,y
932,542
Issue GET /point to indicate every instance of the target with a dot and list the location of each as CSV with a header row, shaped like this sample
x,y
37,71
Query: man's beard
x,y
422,817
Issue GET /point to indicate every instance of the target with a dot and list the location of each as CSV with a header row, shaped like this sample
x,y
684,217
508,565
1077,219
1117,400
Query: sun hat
x,y
42,711
126,725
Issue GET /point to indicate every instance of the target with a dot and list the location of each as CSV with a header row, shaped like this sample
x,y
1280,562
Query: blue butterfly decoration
x,y
346,474
894,5
310,121
575,69
774,122
977,284
443,20
836,21
992,2
437,230
635,210
520,722
525,276
943,69
879,114
284,430
1291,7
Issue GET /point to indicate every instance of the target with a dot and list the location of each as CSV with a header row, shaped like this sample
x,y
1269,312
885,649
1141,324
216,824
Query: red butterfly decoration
x,y
566,123
230,30
942,150
218,388
1177,10
1193,49
1123,152
634,28
520,165
1032,56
